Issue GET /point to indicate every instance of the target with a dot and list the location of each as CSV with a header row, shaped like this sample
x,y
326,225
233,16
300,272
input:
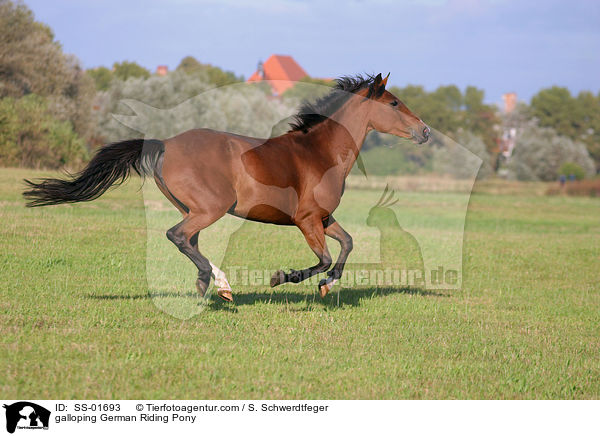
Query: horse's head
x,y
389,115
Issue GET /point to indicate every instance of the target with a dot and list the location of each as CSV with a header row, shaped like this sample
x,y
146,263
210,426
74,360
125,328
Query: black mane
x,y
311,114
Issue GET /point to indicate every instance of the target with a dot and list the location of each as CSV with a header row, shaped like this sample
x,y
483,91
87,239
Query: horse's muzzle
x,y
422,136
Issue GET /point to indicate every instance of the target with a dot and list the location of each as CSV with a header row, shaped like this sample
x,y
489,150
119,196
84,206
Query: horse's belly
x,y
265,203
263,213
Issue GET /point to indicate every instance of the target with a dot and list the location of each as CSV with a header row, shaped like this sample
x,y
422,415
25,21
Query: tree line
x,y
53,112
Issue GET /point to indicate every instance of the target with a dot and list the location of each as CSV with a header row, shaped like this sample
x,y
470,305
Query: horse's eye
x,y
394,103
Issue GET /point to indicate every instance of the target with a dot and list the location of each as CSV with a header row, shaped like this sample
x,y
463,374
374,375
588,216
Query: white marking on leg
x,y
330,285
220,278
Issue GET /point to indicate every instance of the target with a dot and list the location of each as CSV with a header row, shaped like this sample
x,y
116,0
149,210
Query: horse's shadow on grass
x,y
147,296
343,297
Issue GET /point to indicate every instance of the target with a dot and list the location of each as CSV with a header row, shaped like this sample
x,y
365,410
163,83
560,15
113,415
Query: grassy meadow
x,y
95,303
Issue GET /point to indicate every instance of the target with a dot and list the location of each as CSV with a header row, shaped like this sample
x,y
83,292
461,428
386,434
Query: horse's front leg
x,y
335,231
314,233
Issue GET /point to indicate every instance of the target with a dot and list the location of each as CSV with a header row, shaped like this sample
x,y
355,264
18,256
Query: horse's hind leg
x,y
312,229
180,235
224,289
185,236
335,231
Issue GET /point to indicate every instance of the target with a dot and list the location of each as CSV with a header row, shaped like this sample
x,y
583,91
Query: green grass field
x,y
81,314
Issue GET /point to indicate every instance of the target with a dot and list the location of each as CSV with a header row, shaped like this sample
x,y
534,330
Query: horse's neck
x,y
342,135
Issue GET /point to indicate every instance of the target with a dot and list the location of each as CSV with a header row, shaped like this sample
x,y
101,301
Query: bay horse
x,y
293,179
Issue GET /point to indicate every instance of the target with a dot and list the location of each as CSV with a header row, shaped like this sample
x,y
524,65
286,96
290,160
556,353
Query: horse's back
x,y
249,177
198,166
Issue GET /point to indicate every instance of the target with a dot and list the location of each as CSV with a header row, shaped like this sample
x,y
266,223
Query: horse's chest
x,y
328,194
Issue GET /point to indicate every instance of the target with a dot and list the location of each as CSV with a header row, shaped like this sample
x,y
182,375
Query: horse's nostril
x,y
426,132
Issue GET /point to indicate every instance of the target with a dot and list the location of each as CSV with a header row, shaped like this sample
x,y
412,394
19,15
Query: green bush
x,y
32,62
207,72
164,106
569,168
102,77
30,136
124,70
576,117
540,153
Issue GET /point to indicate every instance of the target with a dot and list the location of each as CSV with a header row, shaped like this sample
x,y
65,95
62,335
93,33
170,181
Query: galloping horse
x,y
293,179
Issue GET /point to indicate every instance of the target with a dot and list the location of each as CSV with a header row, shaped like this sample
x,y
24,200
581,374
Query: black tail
x,y
111,165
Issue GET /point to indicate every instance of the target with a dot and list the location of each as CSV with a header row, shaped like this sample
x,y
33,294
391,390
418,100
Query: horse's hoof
x,y
277,278
225,295
201,286
325,286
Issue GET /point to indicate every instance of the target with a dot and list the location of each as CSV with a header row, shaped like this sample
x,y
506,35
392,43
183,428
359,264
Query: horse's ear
x,y
384,81
377,87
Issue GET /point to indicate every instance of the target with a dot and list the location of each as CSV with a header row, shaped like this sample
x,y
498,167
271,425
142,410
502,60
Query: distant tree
x,y
556,108
480,118
588,110
189,64
575,117
31,136
473,99
32,62
102,77
447,110
451,96
124,70
209,73
179,101
540,153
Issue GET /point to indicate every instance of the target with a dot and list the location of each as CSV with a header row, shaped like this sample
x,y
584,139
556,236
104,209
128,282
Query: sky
x,y
497,45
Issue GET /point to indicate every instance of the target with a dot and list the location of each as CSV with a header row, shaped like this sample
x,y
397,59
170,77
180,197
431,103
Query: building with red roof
x,y
282,69
162,70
